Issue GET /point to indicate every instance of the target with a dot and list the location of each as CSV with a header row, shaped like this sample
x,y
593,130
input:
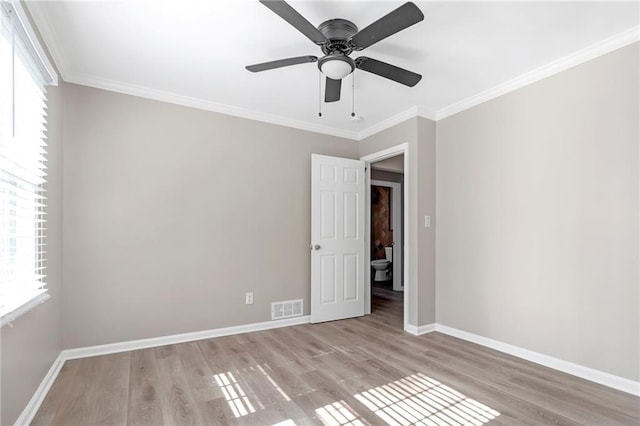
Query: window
x,y
24,74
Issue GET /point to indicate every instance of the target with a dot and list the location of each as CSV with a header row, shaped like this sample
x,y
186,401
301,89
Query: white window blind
x,y
23,81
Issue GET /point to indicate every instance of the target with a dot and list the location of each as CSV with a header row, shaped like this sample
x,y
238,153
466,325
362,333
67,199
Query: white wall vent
x,y
286,309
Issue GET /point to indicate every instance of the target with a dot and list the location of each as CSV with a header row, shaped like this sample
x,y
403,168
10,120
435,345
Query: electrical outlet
x,y
249,298
427,221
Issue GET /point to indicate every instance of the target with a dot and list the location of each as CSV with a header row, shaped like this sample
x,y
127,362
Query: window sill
x,y
20,306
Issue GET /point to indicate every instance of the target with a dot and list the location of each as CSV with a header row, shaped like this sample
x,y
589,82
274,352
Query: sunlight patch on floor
x,y
287,422
233,393
338,414
418,399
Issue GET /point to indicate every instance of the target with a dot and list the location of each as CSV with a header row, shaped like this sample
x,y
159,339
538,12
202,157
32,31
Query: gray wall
x,y
420,134
393,164
426,207
537,210
173,213
35,340
387,176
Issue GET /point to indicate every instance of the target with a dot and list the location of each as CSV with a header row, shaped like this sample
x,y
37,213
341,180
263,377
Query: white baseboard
x,y
133,345
32,407
591,374
411,329
419,330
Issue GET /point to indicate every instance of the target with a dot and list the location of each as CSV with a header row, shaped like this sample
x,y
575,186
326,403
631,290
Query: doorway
x,y
386,224
397,155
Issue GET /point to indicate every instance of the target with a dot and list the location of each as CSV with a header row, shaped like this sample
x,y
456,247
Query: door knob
x,y
317,247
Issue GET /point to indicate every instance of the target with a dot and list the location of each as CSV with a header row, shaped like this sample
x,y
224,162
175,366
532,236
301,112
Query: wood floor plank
x,y
261,388
261,353
145,406
197,373
301,344
218,412
109,393
178,405
339,366
218,358
361,371
75,406
327,407
281,412
289,378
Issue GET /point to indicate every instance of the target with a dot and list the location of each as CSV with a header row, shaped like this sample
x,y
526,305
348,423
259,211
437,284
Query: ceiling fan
x,y
338,38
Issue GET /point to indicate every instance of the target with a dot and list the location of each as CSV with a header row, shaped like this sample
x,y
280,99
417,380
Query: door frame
x,y
402,148
398,283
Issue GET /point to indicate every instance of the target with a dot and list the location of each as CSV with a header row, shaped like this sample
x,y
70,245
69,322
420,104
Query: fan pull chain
x,y
319,93
353,94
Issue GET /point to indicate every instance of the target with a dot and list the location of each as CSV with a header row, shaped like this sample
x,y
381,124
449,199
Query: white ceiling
x,y
194,52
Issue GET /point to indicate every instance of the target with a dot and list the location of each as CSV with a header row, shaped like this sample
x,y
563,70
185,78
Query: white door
x,y
337,238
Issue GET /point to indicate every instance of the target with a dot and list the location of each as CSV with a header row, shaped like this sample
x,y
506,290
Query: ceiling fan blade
x,y
401,18
281,63
389,71
289,14
332,90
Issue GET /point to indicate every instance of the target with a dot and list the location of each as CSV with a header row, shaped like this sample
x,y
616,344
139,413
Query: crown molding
x,y
174,98
389,122
428,114
591,52
48,35
414,111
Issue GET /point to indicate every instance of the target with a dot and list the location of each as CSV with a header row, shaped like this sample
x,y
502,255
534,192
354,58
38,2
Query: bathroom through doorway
x,y
386,237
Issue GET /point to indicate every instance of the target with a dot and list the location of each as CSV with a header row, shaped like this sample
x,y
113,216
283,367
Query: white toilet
x,y
383,266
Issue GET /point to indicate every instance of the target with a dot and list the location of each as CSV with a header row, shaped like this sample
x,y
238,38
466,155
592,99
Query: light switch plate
x,y
427,221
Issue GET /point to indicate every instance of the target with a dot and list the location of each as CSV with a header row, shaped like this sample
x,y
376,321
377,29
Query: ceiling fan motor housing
x,y
338,32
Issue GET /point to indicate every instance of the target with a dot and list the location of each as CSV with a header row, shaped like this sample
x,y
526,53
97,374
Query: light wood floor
x,y
357,371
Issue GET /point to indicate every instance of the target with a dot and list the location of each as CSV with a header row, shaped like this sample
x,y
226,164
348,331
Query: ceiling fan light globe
x,y
336,69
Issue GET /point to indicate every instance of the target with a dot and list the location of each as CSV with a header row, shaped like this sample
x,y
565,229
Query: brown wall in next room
x,y
381,233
